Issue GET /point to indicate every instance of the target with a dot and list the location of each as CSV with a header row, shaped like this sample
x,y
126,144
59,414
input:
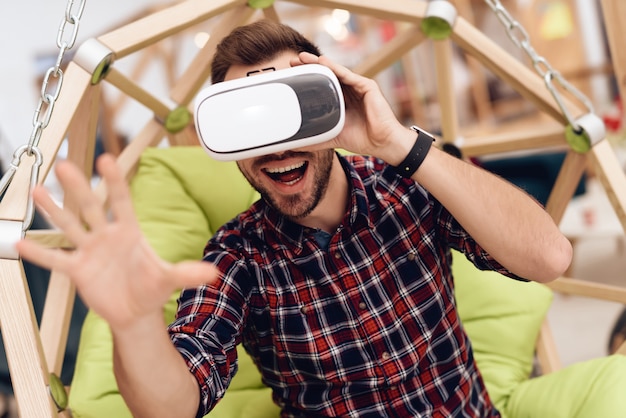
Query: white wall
x,y
29,28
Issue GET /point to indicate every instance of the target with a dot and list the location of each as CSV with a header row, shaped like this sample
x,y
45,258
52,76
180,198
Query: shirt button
x,y
386,356
362,305
393,388
304,310
411,256
337,255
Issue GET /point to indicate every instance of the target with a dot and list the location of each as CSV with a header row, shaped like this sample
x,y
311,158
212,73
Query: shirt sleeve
x,y
208,327
458,238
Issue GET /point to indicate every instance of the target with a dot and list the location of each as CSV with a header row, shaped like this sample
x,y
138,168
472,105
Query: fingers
x,y
119,193
48,258
61,218
359,83
355,86
308,58
82,204
78,189
194,273
294,62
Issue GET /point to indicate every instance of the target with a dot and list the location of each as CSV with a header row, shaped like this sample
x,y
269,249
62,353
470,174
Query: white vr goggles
x,y
270,112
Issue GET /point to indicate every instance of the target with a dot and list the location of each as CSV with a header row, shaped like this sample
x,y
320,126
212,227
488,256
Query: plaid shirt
x,y
366,327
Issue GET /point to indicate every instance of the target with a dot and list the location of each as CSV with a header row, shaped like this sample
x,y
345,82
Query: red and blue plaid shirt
x,y
365,327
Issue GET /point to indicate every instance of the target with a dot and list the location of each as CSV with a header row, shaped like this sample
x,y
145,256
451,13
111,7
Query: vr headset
x,y
270,112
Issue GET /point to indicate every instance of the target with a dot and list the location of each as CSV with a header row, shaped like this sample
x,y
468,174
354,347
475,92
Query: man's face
x,y
293,182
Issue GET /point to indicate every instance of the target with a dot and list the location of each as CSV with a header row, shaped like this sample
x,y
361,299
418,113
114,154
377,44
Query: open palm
x,y
113,266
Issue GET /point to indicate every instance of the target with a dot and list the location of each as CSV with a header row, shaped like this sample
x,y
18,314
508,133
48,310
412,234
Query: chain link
x,y
50,91
519,36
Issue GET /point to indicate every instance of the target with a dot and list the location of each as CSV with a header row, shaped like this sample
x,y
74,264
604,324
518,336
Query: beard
x,y
297,205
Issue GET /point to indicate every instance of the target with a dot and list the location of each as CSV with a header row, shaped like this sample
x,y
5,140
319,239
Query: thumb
x,y
194,273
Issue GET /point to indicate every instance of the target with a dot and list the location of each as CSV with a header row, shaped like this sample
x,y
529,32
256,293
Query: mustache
x,y
282,156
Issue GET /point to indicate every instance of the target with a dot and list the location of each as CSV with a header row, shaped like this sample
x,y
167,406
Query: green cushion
x,y
94,392
502,317
182,196
591,389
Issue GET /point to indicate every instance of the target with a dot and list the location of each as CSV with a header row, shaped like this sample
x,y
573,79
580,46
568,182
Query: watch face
x,y
270,112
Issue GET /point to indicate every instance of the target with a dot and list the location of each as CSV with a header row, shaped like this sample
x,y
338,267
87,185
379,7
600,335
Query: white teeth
x,y
284,169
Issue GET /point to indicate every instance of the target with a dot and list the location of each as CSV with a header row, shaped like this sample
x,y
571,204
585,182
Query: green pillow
x,y
502,317
591,389
93,392
182,196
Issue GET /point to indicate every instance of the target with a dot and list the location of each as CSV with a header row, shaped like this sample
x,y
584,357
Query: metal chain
x,y
66,38
520,38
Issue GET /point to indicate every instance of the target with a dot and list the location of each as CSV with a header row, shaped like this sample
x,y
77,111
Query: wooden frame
x,y
32,352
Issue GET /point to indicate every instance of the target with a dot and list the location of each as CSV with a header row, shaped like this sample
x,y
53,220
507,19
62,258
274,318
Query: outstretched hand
x,y
114,268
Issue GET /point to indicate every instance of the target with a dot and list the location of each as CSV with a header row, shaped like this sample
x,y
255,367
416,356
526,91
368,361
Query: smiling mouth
x,y
287,175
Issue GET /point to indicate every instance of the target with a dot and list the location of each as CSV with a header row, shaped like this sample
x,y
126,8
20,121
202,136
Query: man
x,y
337,281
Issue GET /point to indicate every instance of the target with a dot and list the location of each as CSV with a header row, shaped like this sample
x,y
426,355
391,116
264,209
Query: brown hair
x,y
255,43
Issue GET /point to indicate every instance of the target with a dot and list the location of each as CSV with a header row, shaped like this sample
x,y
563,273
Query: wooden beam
x,y
55,320
130,88
571,286
413,91
270,13
526,82
162,24
49,238
186,137
566,183
139,68
166,52
27,364
547,354
60,297
76,82
614,12
83,130
479,88
199,71
113,141
397,10
612,177
445,91
535,138
390,52
151,135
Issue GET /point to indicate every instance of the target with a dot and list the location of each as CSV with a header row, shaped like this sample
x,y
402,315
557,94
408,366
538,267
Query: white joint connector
x,y
593,126
442,9
10,233
94,57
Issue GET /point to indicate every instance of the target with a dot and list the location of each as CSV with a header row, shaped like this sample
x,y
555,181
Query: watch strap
x,y
417,154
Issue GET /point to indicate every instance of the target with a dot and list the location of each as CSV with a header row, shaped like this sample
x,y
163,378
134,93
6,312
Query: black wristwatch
x,y
416,156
